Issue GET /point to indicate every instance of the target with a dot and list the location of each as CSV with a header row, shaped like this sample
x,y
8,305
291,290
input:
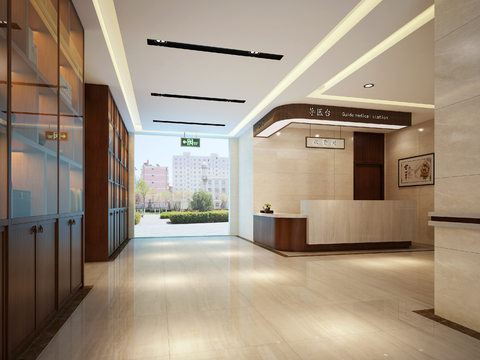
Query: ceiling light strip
x,y
341,29
386,44
189,97
186,123
107,17
213,49
375,101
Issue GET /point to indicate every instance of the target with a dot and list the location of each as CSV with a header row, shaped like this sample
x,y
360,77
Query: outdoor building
x,y
155,176
187,174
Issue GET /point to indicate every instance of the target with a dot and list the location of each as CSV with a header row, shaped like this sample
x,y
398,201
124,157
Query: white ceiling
x,y
403,73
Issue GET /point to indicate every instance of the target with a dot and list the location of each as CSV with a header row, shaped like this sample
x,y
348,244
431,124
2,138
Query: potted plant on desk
x,y
266,209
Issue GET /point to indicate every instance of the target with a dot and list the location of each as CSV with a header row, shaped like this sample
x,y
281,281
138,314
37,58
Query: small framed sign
x,y
416,170
190,142
324,143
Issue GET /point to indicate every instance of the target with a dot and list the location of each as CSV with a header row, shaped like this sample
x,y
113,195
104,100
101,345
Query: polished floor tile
x,y
205,298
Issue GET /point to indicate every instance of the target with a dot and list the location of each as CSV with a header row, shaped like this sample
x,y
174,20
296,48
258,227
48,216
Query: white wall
x,y
233,192
245,185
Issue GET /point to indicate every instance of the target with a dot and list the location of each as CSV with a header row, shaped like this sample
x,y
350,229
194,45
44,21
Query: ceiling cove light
x,y
186,123
107,17
189,97
213,49
362,9
368,86
386,44
376,101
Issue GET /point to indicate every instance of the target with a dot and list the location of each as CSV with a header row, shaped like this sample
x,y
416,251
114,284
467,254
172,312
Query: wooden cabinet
x,y
41,163
70,257
31,278
106,161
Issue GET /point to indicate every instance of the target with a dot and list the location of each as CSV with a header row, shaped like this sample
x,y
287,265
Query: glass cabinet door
x,y
71,110
34,107
3,110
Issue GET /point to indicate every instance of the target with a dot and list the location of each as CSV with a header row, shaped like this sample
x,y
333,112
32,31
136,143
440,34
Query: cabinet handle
x,y
33,230
40,229
73,222
70,222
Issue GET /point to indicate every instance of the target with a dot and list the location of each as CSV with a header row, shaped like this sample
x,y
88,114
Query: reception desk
x,y
331,225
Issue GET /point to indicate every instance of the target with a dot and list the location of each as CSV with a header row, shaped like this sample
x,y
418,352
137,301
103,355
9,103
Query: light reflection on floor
x,y
225,298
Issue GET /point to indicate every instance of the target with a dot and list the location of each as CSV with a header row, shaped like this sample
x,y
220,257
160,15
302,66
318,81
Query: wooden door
x,y
368,182
45,270
21,284
64,261
77,252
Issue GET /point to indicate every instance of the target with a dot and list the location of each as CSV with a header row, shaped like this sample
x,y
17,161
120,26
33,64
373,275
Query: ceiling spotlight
x,y
278,134
369,85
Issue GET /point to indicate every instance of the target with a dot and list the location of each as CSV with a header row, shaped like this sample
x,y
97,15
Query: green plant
x,y
199,217
138,216
202,201
267,205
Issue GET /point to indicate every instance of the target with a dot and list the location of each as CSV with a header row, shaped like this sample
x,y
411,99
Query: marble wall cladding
x,y
245,185
406,143
131,186
285,172
457,288
233,184
457,109
360,221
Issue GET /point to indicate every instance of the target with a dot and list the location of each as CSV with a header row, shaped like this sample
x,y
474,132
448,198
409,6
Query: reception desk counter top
x,y
280,215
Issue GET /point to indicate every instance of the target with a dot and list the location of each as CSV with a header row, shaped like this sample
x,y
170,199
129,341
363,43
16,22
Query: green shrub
x,y
166,215
199,217
202,201
138,216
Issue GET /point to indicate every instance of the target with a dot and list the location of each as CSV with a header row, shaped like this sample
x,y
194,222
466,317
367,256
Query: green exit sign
x,y
190,142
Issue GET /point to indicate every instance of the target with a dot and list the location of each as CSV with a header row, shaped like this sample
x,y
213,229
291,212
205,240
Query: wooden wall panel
x,y
368,158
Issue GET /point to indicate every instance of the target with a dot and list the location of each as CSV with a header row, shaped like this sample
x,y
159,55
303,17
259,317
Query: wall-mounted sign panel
x,y
53,135
324,143
285,115
190,142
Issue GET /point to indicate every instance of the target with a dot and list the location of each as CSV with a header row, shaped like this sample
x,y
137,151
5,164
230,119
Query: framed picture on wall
x,y
416,170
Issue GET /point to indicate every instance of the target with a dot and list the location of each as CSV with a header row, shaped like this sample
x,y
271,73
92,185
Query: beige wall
x,y
405,143
245,185
233,184
457,147
285,172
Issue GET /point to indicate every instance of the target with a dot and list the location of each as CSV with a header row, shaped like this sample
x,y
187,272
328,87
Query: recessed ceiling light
x,y
369,85
213,49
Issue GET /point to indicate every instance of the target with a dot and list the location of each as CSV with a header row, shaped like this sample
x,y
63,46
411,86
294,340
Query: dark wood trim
x,y
368,152
463,220
430,314
302,111
24,220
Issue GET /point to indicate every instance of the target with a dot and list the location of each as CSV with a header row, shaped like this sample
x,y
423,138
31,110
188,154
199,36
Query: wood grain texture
x,y
96,172
302,111
2,289
77,253
21,285
368,159
64,260
45,272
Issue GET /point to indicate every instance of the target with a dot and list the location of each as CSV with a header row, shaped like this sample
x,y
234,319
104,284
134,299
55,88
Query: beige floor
x,y
225,298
